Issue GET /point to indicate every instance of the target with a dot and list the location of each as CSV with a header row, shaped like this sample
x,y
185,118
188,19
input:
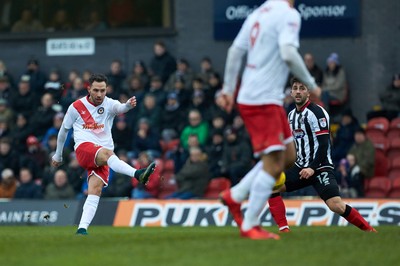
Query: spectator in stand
x,y
76,174
364,152
116,76
86,77
5,88
60,21
237,156
334,84
6,113
199,103
136,88
350,180
37,78
151,110
214,152
54,85
42,118
24,101
119,185
72,75
27,188
182,71
4,128
214,85
313,68
5,73
184,95
27,23
146,138
197,127
59,188
139,70
77,91
9,158
173,116
206,69
9,12
95,22
181,155
20,133
152,188
162,64
344,138
35,158
157,89
8,184
193,178
122,134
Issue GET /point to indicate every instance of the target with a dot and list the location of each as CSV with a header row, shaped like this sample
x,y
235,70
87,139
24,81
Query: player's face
x,y
97,92
300,93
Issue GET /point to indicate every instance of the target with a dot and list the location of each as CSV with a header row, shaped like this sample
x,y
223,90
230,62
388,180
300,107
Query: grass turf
x,y
42,245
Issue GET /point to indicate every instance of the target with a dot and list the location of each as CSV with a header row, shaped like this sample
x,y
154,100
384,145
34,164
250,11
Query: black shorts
x,y
323,181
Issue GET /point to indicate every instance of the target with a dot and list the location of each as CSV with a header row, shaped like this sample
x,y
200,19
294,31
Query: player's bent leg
x,y
290,155
337,205
92,201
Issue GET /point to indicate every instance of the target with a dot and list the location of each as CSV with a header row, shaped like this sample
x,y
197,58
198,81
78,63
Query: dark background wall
x,y
369,60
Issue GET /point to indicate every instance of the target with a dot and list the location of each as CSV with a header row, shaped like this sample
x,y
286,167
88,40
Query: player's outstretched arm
x,y
57,159
120,108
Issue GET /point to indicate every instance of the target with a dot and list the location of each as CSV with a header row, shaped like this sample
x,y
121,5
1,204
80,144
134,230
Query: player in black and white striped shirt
x,y
309,123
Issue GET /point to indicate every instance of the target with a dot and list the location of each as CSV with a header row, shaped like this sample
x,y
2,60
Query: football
x,y
279,183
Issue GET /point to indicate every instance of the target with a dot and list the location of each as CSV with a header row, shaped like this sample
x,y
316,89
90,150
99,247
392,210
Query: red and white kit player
x,y
270,39
92,118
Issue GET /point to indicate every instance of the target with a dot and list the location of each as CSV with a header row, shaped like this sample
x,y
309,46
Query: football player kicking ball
x,y
309,123
92,118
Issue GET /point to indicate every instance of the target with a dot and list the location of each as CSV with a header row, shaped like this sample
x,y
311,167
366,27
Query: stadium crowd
x,y
177,123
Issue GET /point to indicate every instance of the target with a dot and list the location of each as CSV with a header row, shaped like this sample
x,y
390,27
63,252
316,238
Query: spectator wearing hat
x,y
163,64
173,116
27,189
24,100
42,119
199,103
8,184
182,71
146,138
334,82
6,113
184,95
237,156
37,78
59,188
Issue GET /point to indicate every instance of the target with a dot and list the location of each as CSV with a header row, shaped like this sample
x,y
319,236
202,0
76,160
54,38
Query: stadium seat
x,y
394,129
378,187
394,149
216,186
377,126
167,185
395,189
381,163
394,173
380,142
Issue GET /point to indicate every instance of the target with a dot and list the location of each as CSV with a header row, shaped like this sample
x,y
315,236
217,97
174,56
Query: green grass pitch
x,y
187,246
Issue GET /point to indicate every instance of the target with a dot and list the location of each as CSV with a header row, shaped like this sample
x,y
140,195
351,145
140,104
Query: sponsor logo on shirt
x,y
93,126
298,133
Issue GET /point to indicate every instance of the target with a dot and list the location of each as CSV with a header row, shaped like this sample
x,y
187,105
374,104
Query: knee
x,y
336,206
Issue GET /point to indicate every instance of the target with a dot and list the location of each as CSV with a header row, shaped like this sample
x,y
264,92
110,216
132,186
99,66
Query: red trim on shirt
x,y
84,112
305,106
322,132
89,101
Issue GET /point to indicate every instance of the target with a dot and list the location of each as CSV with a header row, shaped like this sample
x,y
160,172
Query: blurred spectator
x,y
8,184
206,69
199,103
215,151
237,156
364,152
24,101
197,127
75,173
184,95
59,188
5,88
37,78
173,116
351,181
61,21
122,134
95,22
116,76
139,71
77,91
27,23
54,85
86,74
87,9
151,110
334,81
20,133
5,73
121,13
152,188
136,88
6,113
218,123
4,128
193,178
182,71
35,158
9,12
27,188
162,64
344,138
181,155
42,118
54,129
146,138
72,75
157,89
9,158
313,68
214,84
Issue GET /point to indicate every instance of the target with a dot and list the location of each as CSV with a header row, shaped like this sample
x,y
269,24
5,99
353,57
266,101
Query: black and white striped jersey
x,y
310,129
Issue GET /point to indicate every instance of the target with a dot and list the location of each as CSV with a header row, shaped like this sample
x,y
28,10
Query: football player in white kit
x,y
92,117
270,38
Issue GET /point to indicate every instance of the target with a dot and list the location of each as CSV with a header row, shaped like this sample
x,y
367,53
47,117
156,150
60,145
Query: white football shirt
x,y
270,26
92,123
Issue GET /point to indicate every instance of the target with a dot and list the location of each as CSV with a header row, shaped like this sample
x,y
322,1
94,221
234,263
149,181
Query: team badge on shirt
x,y
322,122
100,110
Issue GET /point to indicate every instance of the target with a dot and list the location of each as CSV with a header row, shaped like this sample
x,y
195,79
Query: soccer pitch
x,y
187,246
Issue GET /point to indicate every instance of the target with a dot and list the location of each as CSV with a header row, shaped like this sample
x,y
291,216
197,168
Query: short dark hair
x,y
293,80
98,78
